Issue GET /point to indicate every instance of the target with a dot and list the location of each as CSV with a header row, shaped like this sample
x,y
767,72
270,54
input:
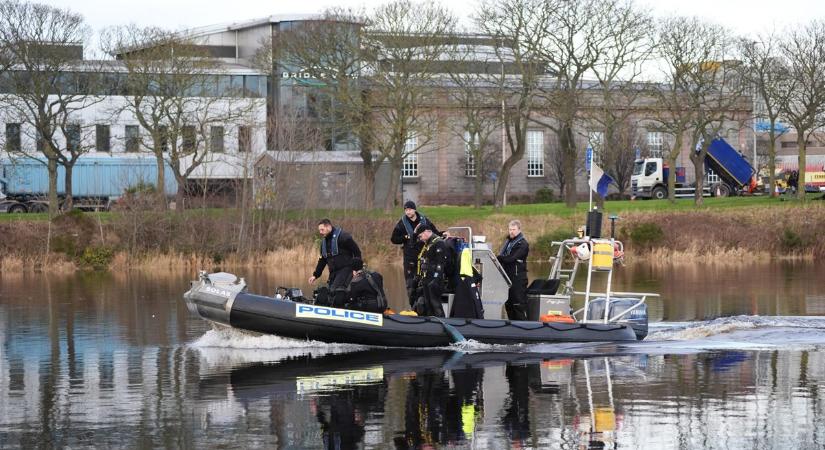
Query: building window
x,y
469,154
216,139
188,138
409,168
244,139
535,153
13,137
595,140
103,138
655,144
73,138
132,138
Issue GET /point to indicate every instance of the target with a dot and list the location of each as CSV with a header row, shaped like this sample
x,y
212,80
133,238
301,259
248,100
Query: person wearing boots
x,y
513,258
431,268
404,235
337,252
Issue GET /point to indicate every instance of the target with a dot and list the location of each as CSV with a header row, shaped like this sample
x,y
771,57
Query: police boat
x,y
223,298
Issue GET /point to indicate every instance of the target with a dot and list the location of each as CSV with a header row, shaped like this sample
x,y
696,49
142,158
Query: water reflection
x,y
90,360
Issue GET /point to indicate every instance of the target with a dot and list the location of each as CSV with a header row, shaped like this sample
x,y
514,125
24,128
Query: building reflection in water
x,y
112,369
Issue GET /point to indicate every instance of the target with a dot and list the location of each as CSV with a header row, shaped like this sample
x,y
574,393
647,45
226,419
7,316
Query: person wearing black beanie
x,y
404,235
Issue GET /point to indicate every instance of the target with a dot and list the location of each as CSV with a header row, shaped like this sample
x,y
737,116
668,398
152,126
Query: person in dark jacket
x,y
513,258
404,234
431,268
337,252
366,290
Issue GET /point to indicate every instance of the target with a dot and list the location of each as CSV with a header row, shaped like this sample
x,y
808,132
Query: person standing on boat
x,y
366,290
404,234
337,252
513,258
431,266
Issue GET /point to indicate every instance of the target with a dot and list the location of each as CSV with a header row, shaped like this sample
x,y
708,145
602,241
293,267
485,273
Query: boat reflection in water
x,y
413,398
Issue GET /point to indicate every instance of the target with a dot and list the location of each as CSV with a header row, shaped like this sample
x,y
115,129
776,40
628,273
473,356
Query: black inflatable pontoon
x,y
221,298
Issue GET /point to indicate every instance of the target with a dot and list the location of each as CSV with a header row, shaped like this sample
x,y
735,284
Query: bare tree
x,y
515,26
703,91
472,93
580,38
176,96
618,156
330,58
405,42
48,85
766,72
803,91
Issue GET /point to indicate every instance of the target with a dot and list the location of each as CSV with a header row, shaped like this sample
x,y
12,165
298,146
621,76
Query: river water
x,y
735,359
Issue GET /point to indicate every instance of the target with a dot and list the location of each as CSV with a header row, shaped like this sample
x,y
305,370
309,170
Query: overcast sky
x,y
743,16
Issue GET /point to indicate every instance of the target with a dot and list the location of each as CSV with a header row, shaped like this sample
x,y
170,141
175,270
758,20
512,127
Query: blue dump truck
x,y
731,173
97,182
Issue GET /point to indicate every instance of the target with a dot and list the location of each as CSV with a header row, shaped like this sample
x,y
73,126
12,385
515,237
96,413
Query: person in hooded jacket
x,y
404,234
337,252
513,259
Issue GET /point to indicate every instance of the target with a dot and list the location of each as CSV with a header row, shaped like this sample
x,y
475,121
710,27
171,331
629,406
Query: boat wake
x,y
229,346
724,333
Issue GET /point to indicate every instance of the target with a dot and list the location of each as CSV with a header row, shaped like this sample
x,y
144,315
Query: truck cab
x,y
649,179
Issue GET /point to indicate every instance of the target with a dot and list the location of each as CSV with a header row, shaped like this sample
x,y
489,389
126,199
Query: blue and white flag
x,y
599,181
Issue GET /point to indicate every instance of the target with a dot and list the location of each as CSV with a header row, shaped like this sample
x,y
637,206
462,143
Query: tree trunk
x,y
478,184
568,150
160,187
800,183
771,164
671,161
180,194
52,168
369,185
698,160
395,179
68,201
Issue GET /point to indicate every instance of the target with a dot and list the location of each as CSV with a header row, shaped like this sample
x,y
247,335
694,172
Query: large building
x,y
300,170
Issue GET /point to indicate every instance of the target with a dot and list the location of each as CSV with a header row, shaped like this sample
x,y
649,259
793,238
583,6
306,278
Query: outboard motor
x,y
212,294
637,318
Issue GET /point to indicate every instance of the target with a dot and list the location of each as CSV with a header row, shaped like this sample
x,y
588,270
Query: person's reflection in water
x,y
516,418
342,415
435,414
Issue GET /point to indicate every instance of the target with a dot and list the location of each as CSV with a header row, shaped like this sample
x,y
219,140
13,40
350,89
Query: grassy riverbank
x,y
728,230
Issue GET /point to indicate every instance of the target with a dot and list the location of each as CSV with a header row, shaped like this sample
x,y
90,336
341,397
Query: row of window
x,y
132,138
535,152
75,83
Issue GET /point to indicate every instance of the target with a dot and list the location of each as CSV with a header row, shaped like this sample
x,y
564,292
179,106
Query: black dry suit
x,y
404,234
366,292
431,267
337,251
513,258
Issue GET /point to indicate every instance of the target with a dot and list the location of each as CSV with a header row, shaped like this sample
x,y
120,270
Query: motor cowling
x,y
637,318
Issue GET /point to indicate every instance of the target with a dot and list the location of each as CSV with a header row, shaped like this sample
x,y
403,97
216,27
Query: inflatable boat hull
x,y
297,320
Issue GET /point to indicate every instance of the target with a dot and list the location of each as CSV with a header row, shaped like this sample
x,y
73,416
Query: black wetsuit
x,y
403,234
431,272
513,258
337,251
